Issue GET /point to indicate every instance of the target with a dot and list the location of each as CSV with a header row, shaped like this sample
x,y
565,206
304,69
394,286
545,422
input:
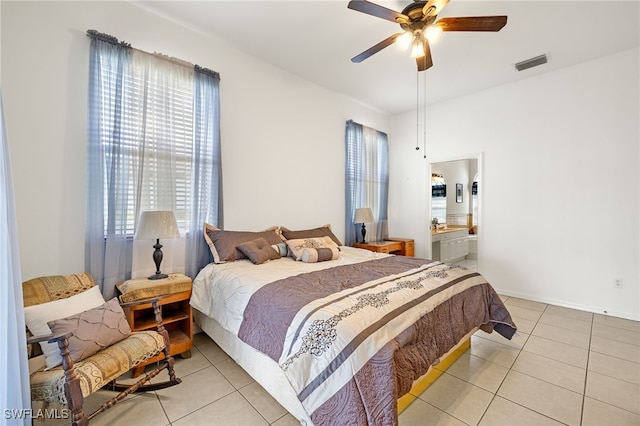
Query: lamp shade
x,y
157,224
364,215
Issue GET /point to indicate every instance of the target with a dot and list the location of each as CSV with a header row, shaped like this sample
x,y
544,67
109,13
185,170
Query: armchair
x,y
90,359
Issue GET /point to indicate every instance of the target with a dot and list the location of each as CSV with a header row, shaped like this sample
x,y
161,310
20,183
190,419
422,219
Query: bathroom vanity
x,y
449,244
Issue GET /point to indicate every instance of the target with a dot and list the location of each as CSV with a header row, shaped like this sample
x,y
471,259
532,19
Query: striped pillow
x,y
315,249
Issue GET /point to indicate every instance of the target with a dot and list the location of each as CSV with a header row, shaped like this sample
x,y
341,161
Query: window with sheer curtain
x,y
367,180
154,144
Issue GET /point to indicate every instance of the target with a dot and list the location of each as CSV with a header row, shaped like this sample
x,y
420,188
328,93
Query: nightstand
x,y
174,293
407,245
401,246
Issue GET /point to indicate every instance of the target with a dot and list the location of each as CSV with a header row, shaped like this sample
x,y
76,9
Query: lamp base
x,y
157,259
157,276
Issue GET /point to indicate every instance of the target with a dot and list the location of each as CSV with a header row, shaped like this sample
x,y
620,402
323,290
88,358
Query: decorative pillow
x,y
281,248
223,244
259,251
37,316
313,255
93,330
297,246
322,231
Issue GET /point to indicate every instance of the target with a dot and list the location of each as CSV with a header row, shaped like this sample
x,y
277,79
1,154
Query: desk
x,y
400,246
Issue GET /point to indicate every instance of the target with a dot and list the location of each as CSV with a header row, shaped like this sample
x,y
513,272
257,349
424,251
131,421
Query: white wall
x,y
282,137
546,141
560,189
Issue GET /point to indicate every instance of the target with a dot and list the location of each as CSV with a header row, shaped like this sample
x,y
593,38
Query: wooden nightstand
x,y
174,293
401,246
407,245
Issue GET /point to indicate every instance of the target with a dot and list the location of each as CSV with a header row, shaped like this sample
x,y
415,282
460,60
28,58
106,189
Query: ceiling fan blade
x,y
377,10
473,23
434,7
425,62
376,48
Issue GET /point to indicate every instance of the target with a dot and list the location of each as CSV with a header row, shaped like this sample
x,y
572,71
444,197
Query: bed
x,y
343,334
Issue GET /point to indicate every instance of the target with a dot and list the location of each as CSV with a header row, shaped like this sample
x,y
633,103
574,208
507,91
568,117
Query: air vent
x,y
530,63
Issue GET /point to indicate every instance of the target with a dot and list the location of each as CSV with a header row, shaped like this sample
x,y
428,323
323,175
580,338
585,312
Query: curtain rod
x,y
114,40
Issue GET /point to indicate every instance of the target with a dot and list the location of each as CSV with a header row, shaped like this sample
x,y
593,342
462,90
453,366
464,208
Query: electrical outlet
x,y
618,283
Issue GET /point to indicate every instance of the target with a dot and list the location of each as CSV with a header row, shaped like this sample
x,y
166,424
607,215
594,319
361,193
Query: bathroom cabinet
x,y
450,245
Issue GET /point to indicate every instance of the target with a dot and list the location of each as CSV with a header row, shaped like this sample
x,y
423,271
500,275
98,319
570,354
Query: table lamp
x,y
363,215
155,225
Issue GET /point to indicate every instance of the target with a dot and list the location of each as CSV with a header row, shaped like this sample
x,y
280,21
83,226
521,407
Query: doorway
x,y
463,177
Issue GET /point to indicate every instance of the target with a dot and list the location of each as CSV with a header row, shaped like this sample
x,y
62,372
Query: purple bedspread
x,y
464,301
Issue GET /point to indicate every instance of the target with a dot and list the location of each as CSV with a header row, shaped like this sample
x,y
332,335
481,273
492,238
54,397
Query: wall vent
x,y
532,62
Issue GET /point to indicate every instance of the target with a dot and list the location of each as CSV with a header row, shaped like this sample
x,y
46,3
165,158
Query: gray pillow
x,y
93,330
223,244
259,251
322,231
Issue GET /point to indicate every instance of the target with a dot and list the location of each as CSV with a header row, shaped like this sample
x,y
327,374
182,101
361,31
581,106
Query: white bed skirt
x,y
263,369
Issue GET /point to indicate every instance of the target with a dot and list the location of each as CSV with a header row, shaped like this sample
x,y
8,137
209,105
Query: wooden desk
x,y
400,246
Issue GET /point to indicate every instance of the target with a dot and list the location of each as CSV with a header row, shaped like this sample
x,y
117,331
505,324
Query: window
x,y
153,144
474,200
367,180
438,198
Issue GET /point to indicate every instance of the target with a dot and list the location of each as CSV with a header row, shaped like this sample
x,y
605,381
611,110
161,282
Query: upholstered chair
x,y
78,344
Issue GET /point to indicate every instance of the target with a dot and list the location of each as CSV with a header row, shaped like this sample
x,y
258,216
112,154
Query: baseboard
x,y
564,304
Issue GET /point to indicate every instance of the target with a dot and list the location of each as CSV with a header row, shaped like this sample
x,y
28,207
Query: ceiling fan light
x,y
433,33
417,51
404,41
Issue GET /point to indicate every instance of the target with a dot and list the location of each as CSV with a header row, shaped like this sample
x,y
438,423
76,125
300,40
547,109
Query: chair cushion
x,y
144,288
99,369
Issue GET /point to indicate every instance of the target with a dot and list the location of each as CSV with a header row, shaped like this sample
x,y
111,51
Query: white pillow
x,y
37,316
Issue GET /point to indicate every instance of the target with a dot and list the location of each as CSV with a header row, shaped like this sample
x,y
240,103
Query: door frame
x,y
474,156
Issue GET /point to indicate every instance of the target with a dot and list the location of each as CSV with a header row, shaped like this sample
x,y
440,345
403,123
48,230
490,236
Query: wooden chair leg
x,y
72,390
167,343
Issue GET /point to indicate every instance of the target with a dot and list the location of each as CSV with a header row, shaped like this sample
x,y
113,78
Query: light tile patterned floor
x,y
565,367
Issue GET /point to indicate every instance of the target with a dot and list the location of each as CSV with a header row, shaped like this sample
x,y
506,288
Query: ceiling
x,y
316,40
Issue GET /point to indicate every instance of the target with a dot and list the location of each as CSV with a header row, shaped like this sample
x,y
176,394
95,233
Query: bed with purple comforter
x,y
350,335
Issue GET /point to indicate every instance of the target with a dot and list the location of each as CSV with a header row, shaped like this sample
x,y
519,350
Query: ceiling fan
x,y
418,21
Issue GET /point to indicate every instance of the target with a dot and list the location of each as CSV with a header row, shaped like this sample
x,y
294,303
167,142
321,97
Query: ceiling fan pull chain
x,y
417,112
424,141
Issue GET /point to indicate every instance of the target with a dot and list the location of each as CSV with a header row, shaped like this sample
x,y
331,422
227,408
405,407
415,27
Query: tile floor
x,y
564,367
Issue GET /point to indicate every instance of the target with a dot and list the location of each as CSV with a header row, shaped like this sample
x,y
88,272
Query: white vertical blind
x,y
155,140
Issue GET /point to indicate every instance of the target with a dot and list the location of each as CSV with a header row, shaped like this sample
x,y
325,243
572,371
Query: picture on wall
x,y
458,192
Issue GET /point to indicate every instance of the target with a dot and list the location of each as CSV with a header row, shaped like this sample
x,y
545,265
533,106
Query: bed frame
x,y
270,376
432,374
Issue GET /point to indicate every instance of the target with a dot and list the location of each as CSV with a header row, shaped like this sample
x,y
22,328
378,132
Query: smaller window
x,y
438,198
474,200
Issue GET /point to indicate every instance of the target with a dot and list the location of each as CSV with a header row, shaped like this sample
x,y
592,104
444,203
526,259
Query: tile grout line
x,y
163,409
495,394
586,373
511,369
